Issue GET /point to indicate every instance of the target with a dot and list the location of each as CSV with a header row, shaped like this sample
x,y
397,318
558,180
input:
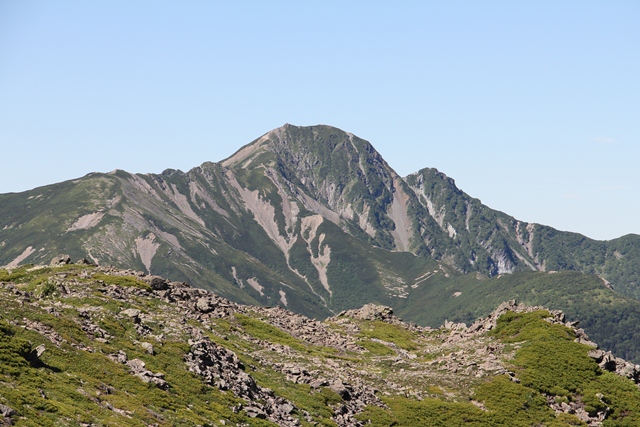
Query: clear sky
x,y
531,106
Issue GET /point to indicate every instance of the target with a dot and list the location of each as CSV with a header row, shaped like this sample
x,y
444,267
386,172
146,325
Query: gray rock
x,y
339,388
7,411
157,283
136,365
320,382
596,354
204,305
35,354
255,412
148,347
131,312
61,259
371,312
120,357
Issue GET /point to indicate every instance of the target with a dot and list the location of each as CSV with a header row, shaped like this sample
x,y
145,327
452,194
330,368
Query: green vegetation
x,y
507,404
13,351
547,361
267,332
376,348
207,234
75,381
81,387
550,362
389,333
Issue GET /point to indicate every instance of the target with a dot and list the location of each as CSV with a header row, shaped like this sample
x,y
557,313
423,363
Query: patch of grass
x,y
619,394
13,351
68,386
507,405
35,275
511,402
434,389
264,331
428,412
376,348
549,361
389,333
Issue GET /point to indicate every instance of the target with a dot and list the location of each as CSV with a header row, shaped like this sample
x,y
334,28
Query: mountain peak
x,y
288,138
341,171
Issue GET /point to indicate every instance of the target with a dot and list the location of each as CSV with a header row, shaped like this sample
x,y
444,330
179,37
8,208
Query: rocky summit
x,y
83,345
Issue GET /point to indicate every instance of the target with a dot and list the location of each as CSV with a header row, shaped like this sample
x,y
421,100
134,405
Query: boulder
x,y
157,283
61,259
34,356
6,411
204,305
131,312
148,347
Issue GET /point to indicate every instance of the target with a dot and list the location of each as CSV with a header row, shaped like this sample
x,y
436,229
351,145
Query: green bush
x,y
13,351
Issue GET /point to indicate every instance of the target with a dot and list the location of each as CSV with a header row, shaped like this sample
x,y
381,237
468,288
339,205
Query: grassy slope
x,y
69,386
547,362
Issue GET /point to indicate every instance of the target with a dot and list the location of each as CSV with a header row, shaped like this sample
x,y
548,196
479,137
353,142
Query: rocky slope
x,y
311,219
86,345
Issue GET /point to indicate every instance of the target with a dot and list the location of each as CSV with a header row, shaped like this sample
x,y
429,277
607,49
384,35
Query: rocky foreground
x,y
86,345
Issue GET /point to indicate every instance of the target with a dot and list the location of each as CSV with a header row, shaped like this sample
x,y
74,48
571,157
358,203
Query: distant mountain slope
x,y
492,242
308,218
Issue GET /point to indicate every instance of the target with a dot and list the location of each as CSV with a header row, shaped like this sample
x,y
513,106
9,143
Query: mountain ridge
x,y
312,219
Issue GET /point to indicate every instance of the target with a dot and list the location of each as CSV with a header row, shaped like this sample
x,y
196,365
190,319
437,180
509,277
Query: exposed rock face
x,y
609,362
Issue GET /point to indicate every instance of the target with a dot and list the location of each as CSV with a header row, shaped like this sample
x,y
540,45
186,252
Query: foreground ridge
x,y
98,345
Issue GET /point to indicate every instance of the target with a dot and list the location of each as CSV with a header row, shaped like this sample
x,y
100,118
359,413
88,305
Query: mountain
x,y
84,345
314,220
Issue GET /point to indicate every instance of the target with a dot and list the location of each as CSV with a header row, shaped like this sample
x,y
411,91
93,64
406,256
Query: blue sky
x,y
532,107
